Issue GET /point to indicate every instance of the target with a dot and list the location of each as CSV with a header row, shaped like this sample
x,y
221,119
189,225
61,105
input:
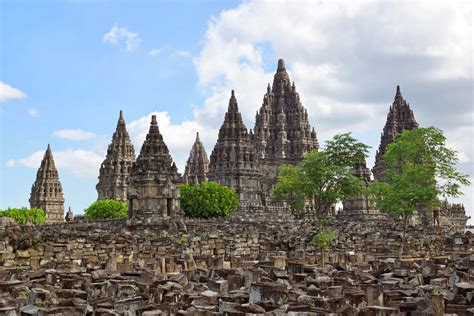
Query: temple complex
x,y
234,159
399,118
47,192
153,191
282,133
114,171
197,165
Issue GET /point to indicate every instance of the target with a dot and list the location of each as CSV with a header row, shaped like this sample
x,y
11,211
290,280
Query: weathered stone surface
x,y
197,165
47,192
115,169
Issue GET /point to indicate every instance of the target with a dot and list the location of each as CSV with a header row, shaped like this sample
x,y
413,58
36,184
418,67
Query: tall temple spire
x,y
197,165
282,133
47,191
153,190
399,118
115,169
233,160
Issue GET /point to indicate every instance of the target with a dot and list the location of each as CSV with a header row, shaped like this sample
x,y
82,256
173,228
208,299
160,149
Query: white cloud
x,y
154,52
178,137
78,162
74,134
183,53
33,112
121,36
8,93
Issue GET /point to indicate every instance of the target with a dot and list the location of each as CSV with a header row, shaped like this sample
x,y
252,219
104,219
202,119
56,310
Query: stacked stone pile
x,y
278,285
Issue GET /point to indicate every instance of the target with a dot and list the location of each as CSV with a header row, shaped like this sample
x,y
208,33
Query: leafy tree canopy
x,y
419,169
106,209
323,177
22,215
324,238
207,200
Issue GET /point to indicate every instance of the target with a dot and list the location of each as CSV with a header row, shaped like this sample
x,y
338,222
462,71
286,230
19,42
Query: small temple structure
x,y
114,171
197,165
399,118
47,191
153,191
234,162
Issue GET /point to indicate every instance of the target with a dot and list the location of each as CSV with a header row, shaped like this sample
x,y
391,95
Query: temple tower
x,y
47,192
282,133
115,169
234,159
153,191
399,118
197,165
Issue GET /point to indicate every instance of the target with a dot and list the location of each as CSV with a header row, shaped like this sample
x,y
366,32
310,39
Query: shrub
x,y
208,200
106,209
21,215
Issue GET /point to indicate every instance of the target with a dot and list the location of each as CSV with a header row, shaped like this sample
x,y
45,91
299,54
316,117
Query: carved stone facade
x,y
47,192
282,133
114,171
359,205
154,180
197,165
234,160
399,118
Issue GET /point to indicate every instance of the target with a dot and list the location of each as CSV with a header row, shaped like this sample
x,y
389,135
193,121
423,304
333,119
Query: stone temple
x,y
197,165
154,180
234,161
114,171
47,192
399,118
282,133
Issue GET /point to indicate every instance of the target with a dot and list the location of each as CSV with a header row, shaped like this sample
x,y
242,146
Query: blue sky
x,y
68,67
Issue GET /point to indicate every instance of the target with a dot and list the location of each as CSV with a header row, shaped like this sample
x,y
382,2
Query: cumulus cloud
x,y
154,52
121,36
74,134
346,59
78,162
8,93
33,112
178,137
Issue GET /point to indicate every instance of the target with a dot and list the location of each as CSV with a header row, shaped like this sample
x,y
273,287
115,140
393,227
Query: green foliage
x,y
324,238
208,200
106,209
21,215
324,177
419,168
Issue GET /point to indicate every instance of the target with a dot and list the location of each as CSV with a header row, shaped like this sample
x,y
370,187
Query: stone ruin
x,y
197,165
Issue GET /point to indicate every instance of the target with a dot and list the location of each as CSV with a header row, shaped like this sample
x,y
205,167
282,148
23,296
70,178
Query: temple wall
x,y
169,246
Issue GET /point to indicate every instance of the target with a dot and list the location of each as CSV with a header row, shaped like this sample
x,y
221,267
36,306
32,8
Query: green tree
x,y
419,169
323,240
323,177
106,209
207,200
22,215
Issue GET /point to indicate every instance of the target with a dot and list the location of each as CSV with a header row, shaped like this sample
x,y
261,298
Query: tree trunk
x,y
402,244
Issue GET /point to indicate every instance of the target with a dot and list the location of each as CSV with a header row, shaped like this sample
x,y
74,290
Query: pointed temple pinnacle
x,y
232,94
281,65
49,148
398,90
121,115
153,120
197,136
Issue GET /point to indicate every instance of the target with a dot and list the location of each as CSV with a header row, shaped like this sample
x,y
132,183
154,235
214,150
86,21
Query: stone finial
x,y
281,64
47,191
153,120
